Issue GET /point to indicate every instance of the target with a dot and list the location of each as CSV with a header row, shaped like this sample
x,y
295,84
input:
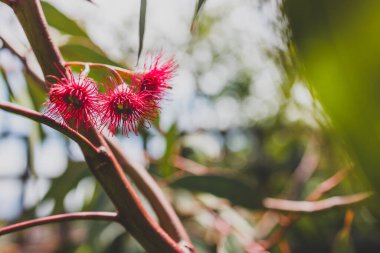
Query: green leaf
x,y
143,6
230,244
61,22
197,10
239,192
9,88
165,166
77,52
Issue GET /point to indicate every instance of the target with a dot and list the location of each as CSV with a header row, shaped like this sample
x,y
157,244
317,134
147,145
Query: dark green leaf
x,y
197,10
239,192
143,6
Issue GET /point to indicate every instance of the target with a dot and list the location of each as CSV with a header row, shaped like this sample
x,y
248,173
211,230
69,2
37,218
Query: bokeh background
x,y
240,124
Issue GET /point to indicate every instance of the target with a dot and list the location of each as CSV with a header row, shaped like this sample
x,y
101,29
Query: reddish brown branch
x,y
327,185
38,117
104,166
287,221
106,216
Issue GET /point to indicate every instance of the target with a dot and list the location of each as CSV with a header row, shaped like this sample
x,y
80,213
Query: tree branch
x,y
40,118
103,164
106,216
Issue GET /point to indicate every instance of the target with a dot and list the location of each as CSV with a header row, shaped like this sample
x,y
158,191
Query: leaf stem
x,y
117,72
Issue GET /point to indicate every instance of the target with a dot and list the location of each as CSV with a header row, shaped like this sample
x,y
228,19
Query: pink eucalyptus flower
x,y
121,107
73,100
156,77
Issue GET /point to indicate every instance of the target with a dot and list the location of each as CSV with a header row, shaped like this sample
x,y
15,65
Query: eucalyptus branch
x,y
104,166
106,216
41,83
40,118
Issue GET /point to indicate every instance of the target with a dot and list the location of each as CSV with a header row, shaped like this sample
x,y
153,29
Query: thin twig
x,y
322,188
107,216
40,82
327,185
191,166
313,206
296,183
38,117
305,169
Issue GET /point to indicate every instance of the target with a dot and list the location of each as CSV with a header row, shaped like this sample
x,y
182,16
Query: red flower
x,y
73,100
120,106
155,80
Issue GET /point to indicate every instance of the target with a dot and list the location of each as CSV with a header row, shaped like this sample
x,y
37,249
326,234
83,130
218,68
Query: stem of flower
x,y
117,72
106,216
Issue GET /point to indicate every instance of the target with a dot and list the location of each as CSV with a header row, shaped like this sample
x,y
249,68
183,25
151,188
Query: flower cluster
x,y
80,103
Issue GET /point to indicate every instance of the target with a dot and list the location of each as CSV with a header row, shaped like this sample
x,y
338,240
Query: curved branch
x,y
132,215
316,194
106,216
38,117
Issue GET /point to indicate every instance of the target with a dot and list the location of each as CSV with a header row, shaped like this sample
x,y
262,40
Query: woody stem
x,y
103,165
